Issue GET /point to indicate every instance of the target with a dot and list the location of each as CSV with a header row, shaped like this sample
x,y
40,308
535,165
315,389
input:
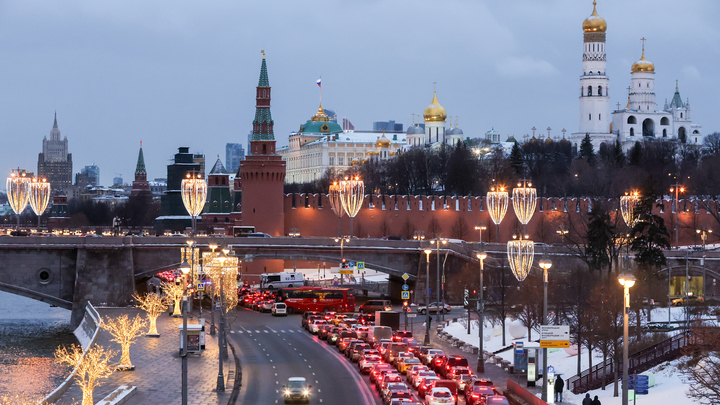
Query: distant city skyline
x,y
185,75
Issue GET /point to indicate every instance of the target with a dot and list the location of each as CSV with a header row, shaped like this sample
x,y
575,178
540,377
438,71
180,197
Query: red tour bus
x,y
303,299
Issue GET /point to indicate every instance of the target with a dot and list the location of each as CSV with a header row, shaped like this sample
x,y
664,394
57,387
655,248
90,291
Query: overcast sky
x,y
183,73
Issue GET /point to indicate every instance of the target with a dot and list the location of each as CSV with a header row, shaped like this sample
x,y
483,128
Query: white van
x,y
274,281
279,309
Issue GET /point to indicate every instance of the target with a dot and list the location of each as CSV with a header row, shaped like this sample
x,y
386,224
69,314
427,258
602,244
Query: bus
x,y
303,299
275,281
241,231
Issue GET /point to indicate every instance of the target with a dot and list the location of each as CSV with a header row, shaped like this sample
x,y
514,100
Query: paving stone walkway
x,y
157,373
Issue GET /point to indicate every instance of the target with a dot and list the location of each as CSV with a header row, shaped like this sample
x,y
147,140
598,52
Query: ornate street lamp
x,y
352,194
481,255
39,196
185,268
524,201
18,192
520,255
336,204
627,208
545,264
627,280
497,202
426,341
194,193
221,335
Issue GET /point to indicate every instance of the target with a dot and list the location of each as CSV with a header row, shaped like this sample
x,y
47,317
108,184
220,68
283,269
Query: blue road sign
x,y
639,391
405,295
361,265
551,370
405,287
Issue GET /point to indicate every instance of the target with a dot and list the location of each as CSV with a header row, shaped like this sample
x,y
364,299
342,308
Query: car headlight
x,y
287,392
306,392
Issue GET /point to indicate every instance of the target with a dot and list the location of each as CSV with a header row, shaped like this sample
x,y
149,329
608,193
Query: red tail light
x,y
476,396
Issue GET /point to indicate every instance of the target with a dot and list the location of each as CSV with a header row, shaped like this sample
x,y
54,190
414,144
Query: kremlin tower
x,y
261,176
140,184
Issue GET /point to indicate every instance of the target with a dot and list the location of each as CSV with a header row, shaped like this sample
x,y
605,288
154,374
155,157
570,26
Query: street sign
x,y
465,297
554,344
412,315
405,287
519,348
551,370
346,272
351,264
405,295
201,287
361,265
405,276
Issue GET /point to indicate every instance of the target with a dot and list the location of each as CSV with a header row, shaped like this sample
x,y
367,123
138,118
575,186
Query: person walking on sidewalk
x,y
559,385
587,400
596,401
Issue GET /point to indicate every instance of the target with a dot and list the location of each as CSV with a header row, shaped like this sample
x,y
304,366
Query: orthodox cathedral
x,y
640,119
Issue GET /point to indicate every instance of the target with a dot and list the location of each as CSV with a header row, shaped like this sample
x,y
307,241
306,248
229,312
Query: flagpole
x,y
320,90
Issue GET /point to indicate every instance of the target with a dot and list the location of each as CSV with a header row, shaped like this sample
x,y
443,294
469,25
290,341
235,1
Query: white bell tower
x,y
594,82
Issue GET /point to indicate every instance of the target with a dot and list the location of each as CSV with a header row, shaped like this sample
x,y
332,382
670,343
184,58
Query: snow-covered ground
x,y
670,385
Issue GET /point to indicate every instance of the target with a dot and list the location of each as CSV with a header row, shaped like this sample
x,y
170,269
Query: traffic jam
x,y
401,370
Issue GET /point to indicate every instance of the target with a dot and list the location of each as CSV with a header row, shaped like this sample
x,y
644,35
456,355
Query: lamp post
x,y
212,246
342,241
703,235
221,335
497,202
524,202
352,194
480,227
18,192
39,196
190,244
677,189
481,255
627,208
194,192
336,204
437,241
562,232
545,264
520,256
627,280
185,269
427,297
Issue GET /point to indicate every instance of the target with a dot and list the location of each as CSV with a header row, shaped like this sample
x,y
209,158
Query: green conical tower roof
x,y
140,167
263,122
263,82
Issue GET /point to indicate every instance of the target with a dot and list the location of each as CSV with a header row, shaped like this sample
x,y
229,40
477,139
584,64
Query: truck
x,y
376,333
388,318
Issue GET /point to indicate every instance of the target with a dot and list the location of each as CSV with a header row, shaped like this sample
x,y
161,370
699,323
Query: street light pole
x,y
437,241
481,312
627,281
221,336
480,227
185,268
190,244
677,189
703,235
212,298
342,241
545,264
427,297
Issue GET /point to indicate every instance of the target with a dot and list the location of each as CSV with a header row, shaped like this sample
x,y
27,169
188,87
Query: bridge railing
x,y
372,286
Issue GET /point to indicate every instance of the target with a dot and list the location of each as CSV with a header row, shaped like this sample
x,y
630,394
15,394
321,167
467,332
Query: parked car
x,y
688,299
434,306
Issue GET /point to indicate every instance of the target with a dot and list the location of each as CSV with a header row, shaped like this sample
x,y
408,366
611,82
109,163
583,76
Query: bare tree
x,y
529,302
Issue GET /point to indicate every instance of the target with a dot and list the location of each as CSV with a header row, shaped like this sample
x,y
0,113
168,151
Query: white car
x,y
414,369
279,309
316,325
420,376
439,396
434,307
367,362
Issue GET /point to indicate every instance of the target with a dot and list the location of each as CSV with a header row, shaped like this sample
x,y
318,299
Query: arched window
x,y
215,203
664,121
589,117
216,181
600,91
581,92
632,120
599,117
589,90
681,115
215,219
264,152
664,133
648,127
632,131
682,135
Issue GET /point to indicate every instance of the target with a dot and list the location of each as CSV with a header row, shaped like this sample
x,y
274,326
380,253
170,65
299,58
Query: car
x,y
413,370
450,385
316,325
371,306
267,306
428,355
378,369
425,384
279,309
296,390
354,354
476,395
311,319
258,235
392,386
451,362
367,362
463,380
434,308
439,396
306,315
398,393
402,401
407,363
688,299
401,356
496,400
388,378
421,376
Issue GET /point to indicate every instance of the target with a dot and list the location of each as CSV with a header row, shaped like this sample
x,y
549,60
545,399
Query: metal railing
x,y
371,286
643,360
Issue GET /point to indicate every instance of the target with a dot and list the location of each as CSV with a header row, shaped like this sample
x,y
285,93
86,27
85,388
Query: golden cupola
x,y
643,65
435,112
594,23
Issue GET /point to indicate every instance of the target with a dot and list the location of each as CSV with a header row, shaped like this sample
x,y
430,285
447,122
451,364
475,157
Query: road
x,y
272,349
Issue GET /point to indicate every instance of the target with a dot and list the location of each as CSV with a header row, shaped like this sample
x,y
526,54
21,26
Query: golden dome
x,y
383,142
643,65
594,23
435,112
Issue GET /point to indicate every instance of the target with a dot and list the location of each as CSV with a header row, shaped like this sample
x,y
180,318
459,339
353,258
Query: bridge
x,y
69,271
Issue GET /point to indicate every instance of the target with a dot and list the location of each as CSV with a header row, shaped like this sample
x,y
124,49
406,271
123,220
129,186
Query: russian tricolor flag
x,y
319,82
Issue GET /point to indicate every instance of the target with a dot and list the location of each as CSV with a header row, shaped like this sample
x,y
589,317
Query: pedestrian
x,y
559,385
596,401
587,400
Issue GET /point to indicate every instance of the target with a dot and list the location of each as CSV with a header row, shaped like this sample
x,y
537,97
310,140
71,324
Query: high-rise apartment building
x,y
55,163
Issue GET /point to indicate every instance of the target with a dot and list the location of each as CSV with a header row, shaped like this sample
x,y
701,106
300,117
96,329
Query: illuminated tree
x,y
153,305
124,332
174,293
90,366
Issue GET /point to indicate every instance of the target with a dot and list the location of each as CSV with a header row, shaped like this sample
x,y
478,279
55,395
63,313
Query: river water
x,y
30,331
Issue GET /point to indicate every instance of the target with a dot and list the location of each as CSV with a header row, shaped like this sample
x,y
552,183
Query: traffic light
x,y
406,308
344,264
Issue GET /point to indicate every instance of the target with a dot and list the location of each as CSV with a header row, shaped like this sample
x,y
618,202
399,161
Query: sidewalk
x,y
157,363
